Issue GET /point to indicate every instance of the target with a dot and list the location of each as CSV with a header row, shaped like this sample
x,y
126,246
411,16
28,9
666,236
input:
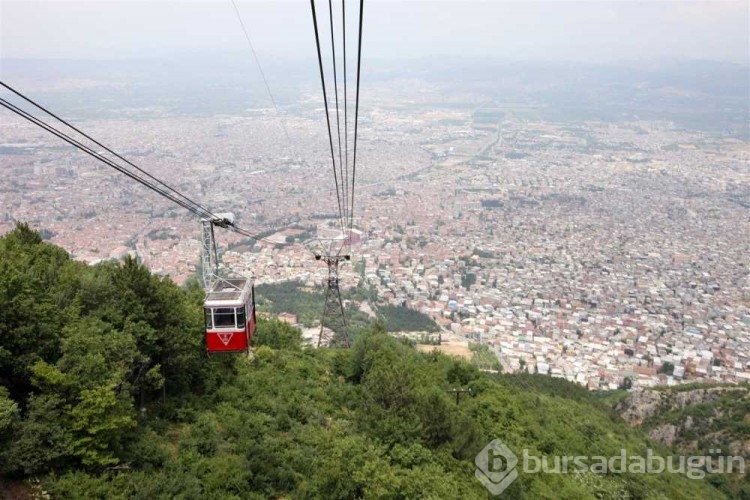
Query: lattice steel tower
x,y
334,317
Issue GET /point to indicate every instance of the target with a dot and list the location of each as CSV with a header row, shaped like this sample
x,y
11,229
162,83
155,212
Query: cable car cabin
x,y
230,315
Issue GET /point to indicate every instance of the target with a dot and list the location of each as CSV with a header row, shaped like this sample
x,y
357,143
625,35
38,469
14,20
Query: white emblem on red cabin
x,y
225,337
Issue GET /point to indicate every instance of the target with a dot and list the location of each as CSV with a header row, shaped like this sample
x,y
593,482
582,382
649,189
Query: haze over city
x,y
601,31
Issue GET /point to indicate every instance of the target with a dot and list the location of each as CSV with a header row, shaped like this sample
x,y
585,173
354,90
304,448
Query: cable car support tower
x,y
334,316
333,327
209,255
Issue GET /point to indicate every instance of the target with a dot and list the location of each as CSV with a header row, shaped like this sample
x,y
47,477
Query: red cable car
x,y
230,315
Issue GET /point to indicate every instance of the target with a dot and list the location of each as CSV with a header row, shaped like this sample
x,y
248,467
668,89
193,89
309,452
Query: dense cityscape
x,y
598,251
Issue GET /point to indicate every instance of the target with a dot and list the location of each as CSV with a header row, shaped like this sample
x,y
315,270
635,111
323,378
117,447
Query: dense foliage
x,y
79,346
105,391
707,418
291,297
403,319
307,304
483,357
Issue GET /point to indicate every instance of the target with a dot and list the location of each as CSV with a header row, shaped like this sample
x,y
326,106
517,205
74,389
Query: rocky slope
x,y
692,418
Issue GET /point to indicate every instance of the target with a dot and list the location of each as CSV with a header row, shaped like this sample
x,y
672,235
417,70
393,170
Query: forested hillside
x,y
307,303
106,392
697,419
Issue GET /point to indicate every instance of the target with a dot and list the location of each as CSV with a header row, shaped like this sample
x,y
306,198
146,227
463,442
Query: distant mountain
x,y
703,95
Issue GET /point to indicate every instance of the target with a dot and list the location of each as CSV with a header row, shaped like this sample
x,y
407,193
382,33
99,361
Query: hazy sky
x,y
549,30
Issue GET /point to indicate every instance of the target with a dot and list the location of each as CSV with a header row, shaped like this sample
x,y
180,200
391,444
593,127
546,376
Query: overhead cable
x,y
328,120
158,186
87,136
356,110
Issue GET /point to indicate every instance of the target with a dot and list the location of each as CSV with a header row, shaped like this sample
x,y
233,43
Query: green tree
x,y
277,334
667,368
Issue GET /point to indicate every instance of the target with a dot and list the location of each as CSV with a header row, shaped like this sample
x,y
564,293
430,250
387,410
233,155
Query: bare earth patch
x,y
452,348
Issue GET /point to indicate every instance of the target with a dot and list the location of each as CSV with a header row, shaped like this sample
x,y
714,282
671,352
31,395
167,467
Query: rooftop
x,y
229,290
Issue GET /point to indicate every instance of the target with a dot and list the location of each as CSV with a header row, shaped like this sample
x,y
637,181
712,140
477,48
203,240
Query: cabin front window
x,y
224,317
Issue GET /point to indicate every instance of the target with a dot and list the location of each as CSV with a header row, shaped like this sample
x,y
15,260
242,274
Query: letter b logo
x,y
496,467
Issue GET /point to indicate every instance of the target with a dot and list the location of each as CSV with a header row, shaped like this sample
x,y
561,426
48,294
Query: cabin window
x,y
224,317
240,317
209,318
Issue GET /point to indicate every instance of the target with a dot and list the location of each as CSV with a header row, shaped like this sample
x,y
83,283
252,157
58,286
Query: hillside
x,y
106,392
696,419
307,303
